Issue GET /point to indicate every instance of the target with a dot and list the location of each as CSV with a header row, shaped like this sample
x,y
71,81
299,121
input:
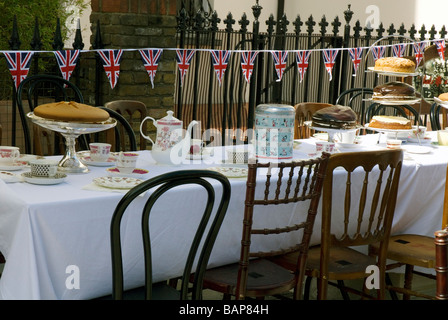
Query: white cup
x,y
99,151
442,137
420,132
9,155
126,162
324,146
44,168
393,144
347,137
196,146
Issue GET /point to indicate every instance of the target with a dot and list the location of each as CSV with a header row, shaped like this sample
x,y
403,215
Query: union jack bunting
x,y
183,58
280,62
220,59
378,52
111,62
399,49
18,64
356,55
303,58
440,48
151,58
67,60
419,47
247,63
329,57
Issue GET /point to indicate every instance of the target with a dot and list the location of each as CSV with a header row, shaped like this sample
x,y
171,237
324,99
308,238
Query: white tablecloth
x,y
47,232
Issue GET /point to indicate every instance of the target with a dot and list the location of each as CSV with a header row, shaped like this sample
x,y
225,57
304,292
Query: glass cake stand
x,y
332,131
70,163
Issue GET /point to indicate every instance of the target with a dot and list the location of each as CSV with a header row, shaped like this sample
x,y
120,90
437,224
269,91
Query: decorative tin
x,y
274,131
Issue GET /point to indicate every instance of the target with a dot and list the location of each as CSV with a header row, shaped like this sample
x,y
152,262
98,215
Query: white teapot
x,y
169,147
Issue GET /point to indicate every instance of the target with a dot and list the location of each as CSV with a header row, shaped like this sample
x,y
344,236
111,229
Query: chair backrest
x,y
122,136
369,181
39,89
304,112
134,111
203,241
281,184
357,99
403,110
438,117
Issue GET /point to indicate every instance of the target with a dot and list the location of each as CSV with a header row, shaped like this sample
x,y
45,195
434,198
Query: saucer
x,y
88,161
116,172
231,172
58,178
9,177
417,149
199,156
16,166
425,140
117,182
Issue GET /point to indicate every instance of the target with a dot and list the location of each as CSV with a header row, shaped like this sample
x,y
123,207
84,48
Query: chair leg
x,y
306,294
392,293
341,287
408,280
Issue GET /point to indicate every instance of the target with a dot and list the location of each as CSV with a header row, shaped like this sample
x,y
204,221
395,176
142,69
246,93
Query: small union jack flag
x,y
247,63
419,48
303,58
183,57
329,57
18,64
220,59
111,62
280,62
378,52
67,60
399,49
440,48
356,55
151,58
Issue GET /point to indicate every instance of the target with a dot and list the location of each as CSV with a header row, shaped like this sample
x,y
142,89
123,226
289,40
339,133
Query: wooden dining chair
x,y
217,191
304,112
413,250
441,266
134,111
272,185
360,191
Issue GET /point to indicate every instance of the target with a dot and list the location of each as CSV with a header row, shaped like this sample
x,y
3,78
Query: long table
x,y
56,237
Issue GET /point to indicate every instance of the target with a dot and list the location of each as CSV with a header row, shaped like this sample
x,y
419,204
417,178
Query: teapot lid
x,y
169,119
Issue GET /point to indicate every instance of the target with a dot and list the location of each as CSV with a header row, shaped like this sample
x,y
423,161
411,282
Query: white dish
x,y
58,178
391,102
390,73
136,172
417,149
425,140
231,172
347,145
205,155
442,103
27,157
9,177
117,182
18,165
366,126
88,161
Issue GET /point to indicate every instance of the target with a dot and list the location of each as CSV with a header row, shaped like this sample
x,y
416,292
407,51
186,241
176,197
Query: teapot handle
x,y
141,128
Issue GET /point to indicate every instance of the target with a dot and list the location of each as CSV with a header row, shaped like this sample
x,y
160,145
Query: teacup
x,y
126,162
196,146
324,146
419,132
9,155
347,137
44,168
99,151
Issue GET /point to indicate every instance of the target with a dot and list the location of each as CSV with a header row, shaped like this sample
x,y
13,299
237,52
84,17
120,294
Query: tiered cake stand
x,y
70,163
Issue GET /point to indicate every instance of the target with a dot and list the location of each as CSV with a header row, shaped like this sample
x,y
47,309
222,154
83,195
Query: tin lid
x,y
277,109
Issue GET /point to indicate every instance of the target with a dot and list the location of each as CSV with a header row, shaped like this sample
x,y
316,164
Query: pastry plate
x,y
392,102
58,178
18,165
88,161
231,172
117,182
391,73
441,102
136,172
417,149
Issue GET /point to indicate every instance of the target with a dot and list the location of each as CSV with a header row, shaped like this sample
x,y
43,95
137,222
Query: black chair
x,y
357,99
438,117
39,89
201,245
383,109
116,136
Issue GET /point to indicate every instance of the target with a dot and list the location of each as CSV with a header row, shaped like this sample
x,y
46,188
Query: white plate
x,y
390,73
27,157
88,161
392,102
231,172
442,103
426,140
116,172
16,166
347,145
417,149
10,177
58,178
117,182
366,126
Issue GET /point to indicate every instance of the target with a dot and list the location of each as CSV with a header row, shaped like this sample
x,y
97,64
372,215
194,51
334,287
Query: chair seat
x,y
263,276
410,249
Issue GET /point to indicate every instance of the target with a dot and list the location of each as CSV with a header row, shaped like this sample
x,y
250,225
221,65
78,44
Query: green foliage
x,y
26,11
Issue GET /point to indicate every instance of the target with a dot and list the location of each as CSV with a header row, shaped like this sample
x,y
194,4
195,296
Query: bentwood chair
x,y
122,136
413,250
208,183
39,89
404,110
283,184
357,99
358,205
304,112
134,111
438,117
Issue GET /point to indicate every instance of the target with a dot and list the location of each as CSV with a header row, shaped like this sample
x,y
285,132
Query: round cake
x,y
395,64
338,117
443,96
394,90
71,111
390,122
